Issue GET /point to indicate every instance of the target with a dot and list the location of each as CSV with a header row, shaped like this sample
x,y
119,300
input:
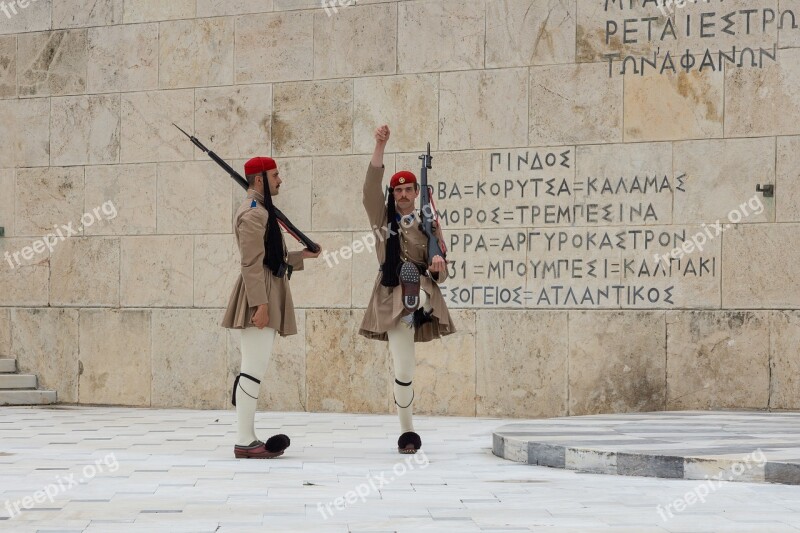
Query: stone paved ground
x,y
129,470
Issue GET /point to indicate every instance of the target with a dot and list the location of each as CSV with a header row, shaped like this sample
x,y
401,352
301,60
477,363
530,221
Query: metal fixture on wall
x,y
768,190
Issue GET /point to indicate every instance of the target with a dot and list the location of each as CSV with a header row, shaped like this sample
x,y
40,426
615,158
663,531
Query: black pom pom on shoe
x,y
421,317
277,443
409,442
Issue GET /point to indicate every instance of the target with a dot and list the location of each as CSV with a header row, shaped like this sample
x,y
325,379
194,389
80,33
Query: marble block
x,y
123,58
382,100
63,191
7,214
335,292
36,16
126,194
115,355
574,104
325,128
219,8
53,358
759,261
344,371
521,33
472,116
517,377
52,63
85,272
148,134
617,362
236,121
196,53
445,374
85,130
718,186
356,42
274,47
216,267
5,333
667,106
25,134
156,271
154,10
764,101
717,359
202,208
24,273
8,66
787,180
189,359
440,35
81,13
784,365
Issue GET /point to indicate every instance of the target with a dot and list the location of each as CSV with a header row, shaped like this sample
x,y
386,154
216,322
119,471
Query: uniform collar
x,y
407,219
255,194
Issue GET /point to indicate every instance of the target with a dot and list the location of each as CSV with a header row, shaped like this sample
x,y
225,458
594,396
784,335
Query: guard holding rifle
x,y
261,302
406,305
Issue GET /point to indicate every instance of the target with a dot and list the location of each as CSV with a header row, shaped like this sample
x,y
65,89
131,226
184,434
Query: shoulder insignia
x,y
253,204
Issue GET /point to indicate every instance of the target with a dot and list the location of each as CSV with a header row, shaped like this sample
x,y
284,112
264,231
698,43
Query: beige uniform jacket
x,y
386,307
256,284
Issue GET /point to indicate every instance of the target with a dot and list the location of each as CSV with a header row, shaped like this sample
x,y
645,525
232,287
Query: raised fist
x,y
382,134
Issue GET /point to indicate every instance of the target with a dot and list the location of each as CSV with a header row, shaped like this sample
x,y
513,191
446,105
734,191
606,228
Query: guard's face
x,y
274,181
405,196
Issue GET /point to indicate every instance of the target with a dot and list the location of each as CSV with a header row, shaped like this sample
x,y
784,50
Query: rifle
x,y
282,220
427,211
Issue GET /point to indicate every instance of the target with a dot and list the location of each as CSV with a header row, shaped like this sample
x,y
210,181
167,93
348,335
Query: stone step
x,y
8,366
17,381
27,397
699,445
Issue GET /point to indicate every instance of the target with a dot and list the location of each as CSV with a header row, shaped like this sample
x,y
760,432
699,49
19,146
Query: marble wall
x,y
595,167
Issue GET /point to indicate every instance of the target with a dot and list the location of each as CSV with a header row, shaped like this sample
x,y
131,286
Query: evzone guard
x,y
407,305
261,302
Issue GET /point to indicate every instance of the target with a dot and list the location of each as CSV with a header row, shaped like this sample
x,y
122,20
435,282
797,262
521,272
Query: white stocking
x,y
401,345
425,302
256,352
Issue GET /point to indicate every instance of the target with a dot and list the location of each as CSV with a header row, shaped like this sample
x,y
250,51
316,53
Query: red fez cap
x,y
257,165
401,178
